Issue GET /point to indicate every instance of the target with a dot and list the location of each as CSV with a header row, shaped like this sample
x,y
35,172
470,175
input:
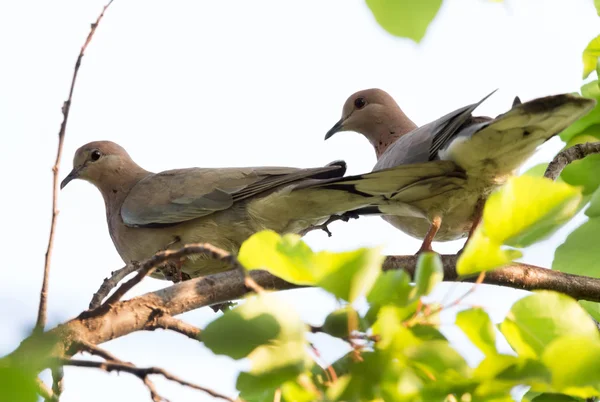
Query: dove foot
x,y
436,222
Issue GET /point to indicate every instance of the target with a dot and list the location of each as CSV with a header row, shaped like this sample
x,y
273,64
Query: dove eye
x,y
95,155
359,103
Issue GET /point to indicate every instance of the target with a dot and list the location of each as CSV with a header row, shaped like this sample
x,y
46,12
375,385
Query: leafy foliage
x,y
405,18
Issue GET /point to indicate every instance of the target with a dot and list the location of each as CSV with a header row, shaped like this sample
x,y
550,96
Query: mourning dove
x,y
148,212
487,150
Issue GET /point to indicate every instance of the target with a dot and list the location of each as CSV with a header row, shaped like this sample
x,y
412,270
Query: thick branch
x,y
569,155
138,313
41,319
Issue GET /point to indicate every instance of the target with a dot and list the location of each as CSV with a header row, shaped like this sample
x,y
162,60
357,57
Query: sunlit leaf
x,y
590,56
588,124
574,363
584,172
347,275
482,254
391,287
405,18
535,321
527,209
428,273
478,327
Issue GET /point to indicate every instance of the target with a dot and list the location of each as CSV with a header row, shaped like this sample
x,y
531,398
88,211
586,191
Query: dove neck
x,y
386,134
115,188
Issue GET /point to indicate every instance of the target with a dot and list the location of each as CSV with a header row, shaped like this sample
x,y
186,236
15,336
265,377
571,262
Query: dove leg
x,y
436,222
476,220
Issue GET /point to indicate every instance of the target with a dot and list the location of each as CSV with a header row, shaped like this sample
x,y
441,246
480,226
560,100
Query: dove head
x,y
374,114
102,163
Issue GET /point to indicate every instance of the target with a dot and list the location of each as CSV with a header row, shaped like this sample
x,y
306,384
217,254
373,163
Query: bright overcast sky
x,y
240,83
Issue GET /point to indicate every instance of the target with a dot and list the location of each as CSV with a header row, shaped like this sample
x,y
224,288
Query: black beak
x,y
71,176
336,127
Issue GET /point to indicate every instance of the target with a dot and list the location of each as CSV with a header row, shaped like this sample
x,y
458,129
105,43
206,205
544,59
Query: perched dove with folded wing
x,y
148,212
487,150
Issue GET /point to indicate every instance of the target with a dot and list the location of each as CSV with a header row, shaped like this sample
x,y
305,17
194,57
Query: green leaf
x,y
537,170
293,391
588,124
340,321
535,321
584,172
287,257
482,254
574,363
597,5
17,385
405,18
590,56
593,210
270,333
428,273
347,275
527,209
437,358
546,397
391,287
394,337
478,327
580,254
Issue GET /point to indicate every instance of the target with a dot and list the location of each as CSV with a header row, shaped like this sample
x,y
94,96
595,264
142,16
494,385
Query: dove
x,y
149,212
488,151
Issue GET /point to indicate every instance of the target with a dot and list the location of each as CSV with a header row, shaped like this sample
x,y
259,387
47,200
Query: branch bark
x,y
569,155
41,318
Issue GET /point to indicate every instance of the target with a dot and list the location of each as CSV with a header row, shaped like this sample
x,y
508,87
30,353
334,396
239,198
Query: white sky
x,y
239,83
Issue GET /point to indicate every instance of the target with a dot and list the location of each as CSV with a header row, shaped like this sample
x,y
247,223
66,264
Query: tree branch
x,y
566,156
141,373
41,318
174,324
110,283
46,392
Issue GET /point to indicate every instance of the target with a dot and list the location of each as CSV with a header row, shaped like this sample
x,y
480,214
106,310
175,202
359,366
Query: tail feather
x,y
501,146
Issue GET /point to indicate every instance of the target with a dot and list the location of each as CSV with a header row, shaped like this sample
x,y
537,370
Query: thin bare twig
x,y
41,319
148,266
110,283
140,372
569,155
174,324
92,349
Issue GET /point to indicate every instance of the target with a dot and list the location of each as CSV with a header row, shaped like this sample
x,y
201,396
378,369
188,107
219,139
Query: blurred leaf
x,y
340,321
394,337
405,18
579,377
597,5
391,287
546,397
287,257
587,135
580,254
292,391
590,56
478,327
437,358
347,275
537,170
428,273
588,124
593,210
584,172
535,321
527,209
482,254
270,333
17,385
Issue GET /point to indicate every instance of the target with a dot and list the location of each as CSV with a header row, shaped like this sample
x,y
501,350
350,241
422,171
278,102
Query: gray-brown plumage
x,y
487,150
148,212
